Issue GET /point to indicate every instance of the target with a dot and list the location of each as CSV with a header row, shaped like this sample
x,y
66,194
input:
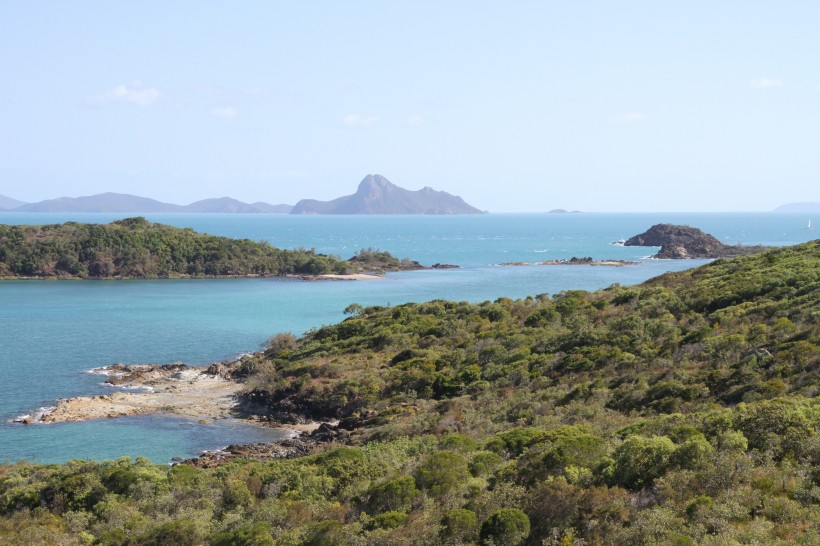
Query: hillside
x,y
377,195
136,248
7,203
680,411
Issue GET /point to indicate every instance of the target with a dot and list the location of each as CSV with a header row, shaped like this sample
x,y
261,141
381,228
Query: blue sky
x,y
518,106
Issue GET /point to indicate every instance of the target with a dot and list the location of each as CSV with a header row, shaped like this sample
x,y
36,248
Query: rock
x,y
286,449
330,433
445,266
685,242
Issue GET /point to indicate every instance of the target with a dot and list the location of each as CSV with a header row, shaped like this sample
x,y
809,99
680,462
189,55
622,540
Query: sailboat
x,y
809,226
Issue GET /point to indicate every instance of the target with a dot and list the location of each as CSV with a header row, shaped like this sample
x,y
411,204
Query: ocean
x,y
53,332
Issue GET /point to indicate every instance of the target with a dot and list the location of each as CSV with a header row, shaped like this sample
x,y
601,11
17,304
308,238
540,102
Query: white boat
x,y
809,226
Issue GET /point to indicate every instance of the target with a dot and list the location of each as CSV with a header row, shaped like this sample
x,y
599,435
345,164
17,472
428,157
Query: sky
x,y
522,106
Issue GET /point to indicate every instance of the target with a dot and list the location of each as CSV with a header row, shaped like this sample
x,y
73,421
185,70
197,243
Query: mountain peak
x,y
377,195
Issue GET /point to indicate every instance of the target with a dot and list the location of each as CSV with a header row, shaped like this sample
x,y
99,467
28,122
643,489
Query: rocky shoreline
x,y
576,261
204,394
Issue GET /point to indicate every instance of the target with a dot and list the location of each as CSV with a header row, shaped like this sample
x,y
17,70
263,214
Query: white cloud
x,y
763,83
136,93
630,117
225,112
415,120
356,120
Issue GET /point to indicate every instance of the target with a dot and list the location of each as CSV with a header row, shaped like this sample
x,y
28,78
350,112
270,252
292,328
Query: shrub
x,y
441,472
506,527
460,525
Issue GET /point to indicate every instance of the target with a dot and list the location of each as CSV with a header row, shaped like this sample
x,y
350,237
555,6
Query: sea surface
x,y
53,332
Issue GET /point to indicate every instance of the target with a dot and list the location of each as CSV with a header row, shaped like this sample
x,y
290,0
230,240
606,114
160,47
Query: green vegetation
x,y
680,411
136,248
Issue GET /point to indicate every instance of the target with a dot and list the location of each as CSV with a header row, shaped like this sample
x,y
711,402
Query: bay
x,y
52,332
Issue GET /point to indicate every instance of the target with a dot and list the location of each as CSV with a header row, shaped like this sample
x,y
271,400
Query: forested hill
x,y
137,248
680,411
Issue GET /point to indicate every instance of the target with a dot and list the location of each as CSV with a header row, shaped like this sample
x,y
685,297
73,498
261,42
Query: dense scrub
x,y
136,248
680,411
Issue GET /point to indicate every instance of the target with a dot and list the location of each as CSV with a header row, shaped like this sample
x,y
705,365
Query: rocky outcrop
x,y
377,195
685,242
286,449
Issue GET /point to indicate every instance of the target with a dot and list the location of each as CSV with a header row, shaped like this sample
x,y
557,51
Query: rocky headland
x,y
685,242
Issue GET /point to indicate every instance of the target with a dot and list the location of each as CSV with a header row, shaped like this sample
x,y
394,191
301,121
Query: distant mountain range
x,y
799,207
377,195
9,203
120,202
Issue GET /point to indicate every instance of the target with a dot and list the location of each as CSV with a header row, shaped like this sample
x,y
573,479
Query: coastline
x,y
574,261
200,393
324,277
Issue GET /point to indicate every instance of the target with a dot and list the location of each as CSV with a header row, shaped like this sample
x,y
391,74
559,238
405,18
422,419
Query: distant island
x,y
685,242
799,207
377,195
122,202
135,248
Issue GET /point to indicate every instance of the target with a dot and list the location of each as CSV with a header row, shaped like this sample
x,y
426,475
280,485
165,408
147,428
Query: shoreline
x,y
574,261
200,393
293,277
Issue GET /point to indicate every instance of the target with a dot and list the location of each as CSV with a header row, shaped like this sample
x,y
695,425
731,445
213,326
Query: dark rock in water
x,y
377,195
445,266
682,242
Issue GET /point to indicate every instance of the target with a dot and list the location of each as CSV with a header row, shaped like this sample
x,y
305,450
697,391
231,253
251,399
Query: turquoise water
x,y
52,332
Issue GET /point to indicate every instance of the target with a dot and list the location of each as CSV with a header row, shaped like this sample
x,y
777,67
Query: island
x,y
685,242
683,410
122,202
377,195
134,248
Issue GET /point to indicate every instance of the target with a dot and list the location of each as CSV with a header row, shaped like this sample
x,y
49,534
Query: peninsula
x,y
135,248
377,195
684,242
683,410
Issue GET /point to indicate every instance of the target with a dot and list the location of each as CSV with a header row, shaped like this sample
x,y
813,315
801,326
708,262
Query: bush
x,y
249,534
388,520
639,460
506,527
441,472
393,495
460,525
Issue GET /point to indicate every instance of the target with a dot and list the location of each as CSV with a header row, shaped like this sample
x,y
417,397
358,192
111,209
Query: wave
x,y
33,417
